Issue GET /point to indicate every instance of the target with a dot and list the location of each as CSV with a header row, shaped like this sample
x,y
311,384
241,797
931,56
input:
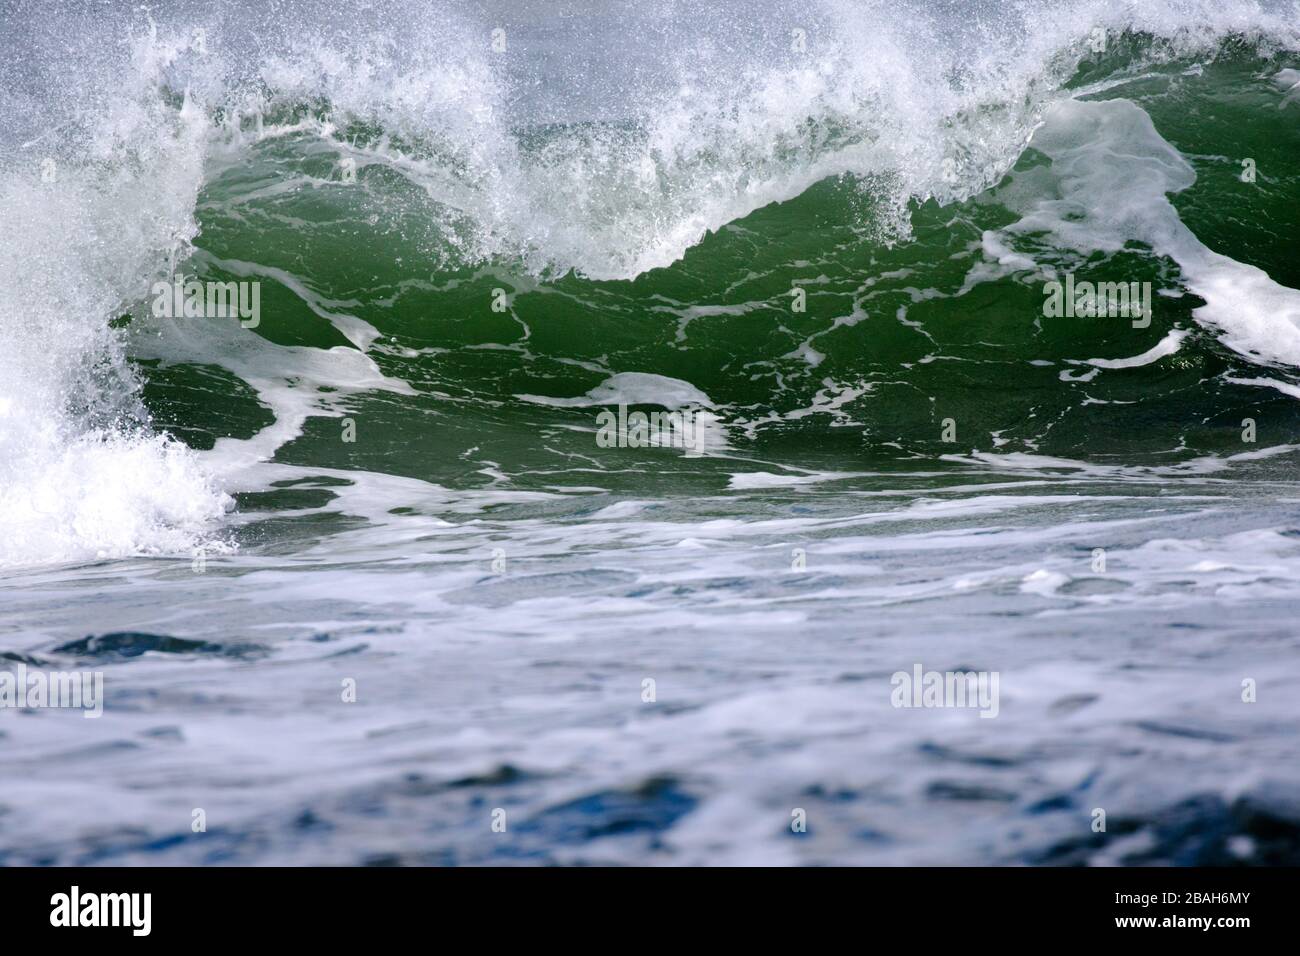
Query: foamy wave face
x,y
611,144
94,205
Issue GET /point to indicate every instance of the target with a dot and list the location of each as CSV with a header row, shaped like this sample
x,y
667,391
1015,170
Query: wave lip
x,y
612,177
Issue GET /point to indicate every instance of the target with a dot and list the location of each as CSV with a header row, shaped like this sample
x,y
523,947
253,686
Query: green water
x,y
985,357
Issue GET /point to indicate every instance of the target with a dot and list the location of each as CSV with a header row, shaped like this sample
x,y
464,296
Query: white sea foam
x,y
1165,347
1108,186
90,216
632,388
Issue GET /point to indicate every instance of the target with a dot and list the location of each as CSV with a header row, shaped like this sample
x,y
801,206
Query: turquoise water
x,y
364,572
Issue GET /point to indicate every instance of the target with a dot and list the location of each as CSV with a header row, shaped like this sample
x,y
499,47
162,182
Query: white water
x,y
82,476
772,683
1108,185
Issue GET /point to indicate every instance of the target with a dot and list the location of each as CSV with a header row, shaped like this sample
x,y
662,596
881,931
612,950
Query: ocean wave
x,y
665,133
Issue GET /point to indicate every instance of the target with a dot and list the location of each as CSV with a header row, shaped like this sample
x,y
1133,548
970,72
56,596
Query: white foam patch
x,y
1286,388
1288,81
632,388
1165,347
1112,172
705,434
750,480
